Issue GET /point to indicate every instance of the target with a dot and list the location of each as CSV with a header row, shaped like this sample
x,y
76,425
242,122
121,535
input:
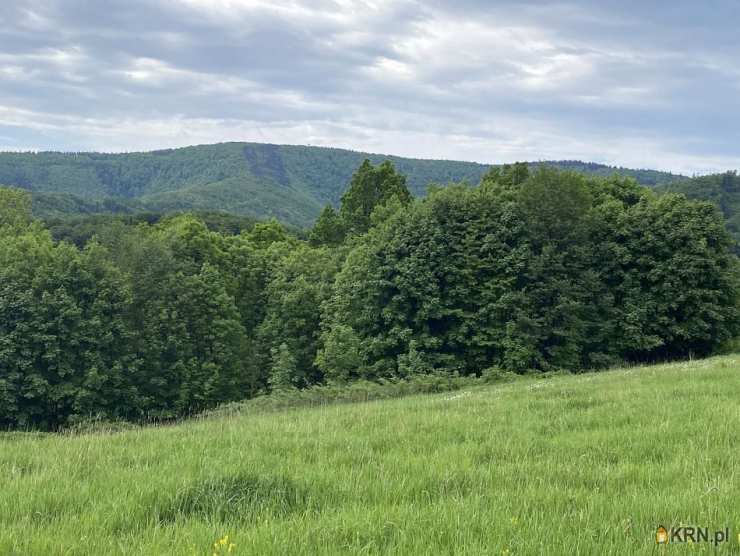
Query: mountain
x,y
291,183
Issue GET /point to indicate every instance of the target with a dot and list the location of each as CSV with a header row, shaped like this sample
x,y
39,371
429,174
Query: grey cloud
x,y
629,83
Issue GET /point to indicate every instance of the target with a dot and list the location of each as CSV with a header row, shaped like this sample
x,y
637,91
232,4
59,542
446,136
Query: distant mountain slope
x,y
291,183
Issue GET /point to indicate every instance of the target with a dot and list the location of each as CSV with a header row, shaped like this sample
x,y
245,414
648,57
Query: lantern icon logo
x,y
661,535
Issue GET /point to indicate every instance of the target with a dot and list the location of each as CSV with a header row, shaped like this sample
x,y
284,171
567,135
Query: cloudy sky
x,y
632,83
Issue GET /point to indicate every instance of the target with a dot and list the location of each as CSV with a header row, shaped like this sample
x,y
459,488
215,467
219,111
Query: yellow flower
x,y
223,546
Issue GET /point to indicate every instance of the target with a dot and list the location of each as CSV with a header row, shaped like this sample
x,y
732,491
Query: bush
x,y
357,391
496,374
97,425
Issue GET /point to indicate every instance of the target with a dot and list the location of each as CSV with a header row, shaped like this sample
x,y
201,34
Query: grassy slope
x,y
586,464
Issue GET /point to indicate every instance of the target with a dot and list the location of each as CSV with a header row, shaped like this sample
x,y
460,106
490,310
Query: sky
x,y
636,84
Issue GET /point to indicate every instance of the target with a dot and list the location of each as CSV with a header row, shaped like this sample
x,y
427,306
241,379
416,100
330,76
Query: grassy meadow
x,y
578,464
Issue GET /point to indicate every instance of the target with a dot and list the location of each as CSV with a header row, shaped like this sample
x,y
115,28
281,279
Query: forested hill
x,y
291,183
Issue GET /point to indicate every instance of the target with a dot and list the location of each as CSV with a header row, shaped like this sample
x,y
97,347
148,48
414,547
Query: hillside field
x,y
577,464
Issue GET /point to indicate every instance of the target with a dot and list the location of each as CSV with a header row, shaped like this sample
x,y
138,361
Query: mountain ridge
x,y
262,180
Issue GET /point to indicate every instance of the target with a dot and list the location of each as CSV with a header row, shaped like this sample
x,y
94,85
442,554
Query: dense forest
x,y
721,189
290,183
152,317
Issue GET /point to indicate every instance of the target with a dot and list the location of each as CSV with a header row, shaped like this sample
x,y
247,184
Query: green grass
x,y
581,464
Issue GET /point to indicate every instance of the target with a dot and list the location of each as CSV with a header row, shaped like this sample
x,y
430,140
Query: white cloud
x,y
316,12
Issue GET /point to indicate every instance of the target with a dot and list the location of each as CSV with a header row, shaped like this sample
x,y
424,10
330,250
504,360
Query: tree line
x,y
164,317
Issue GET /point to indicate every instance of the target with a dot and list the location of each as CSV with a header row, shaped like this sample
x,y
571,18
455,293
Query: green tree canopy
x,y
15,209
158,318
328,229
371,186
556,272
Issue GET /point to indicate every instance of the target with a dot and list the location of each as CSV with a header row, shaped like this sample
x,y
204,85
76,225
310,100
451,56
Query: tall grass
x,y
583,464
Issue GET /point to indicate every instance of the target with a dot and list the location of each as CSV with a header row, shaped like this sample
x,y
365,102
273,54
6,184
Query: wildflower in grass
x,y
223,546
515,521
